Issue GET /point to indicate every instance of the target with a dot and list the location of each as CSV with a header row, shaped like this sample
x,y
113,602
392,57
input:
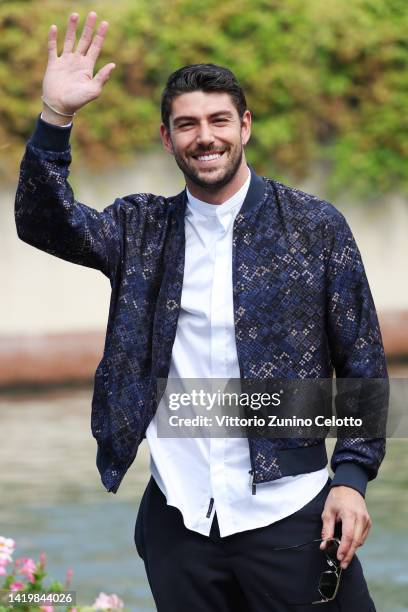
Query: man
x,y
237,277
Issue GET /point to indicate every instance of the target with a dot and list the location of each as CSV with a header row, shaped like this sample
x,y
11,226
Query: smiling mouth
x,y
209,157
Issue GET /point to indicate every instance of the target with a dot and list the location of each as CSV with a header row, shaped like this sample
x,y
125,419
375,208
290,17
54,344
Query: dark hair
x,y
201,77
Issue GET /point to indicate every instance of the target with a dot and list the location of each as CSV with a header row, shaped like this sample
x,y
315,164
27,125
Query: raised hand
x,y
69,82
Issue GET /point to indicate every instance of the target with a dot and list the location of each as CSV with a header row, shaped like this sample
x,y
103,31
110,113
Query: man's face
x,y
207,137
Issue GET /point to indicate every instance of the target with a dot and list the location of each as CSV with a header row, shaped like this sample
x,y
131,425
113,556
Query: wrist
x,y
50,116
55,113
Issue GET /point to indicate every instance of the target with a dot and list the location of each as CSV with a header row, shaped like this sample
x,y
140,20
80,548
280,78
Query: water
x,y
52,501
95,539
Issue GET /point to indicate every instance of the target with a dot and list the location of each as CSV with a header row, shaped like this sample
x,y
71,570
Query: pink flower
x,y
43,559
3,563
26,567
47,608
17,586
7,542
107,602
7,546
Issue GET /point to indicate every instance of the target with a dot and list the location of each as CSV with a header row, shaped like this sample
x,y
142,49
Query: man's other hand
x,y
347,506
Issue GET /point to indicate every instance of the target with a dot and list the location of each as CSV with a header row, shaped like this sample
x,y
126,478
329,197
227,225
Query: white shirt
x,y
192,471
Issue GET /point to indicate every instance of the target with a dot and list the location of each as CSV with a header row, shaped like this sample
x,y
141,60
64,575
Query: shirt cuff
x,y
51,137
351,475
65,124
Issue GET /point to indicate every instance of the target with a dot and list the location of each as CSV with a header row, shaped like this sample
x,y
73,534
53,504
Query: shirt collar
x,y
233,204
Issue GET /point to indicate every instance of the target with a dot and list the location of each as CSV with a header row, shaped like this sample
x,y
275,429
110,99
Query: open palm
x,y
69,82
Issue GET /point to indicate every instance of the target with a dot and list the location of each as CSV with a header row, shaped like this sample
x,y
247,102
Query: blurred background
x,y
327,84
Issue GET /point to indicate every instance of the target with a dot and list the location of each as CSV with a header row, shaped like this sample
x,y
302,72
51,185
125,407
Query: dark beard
x,y
211,184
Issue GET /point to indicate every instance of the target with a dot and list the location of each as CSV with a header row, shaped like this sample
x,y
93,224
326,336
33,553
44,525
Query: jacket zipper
x,y
251,481
178,311
252,470
210,507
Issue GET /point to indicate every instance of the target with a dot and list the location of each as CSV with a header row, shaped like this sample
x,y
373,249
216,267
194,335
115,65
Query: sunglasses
x,y
329,580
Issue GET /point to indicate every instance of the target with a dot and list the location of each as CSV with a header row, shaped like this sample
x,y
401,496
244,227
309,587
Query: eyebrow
x,y
224,113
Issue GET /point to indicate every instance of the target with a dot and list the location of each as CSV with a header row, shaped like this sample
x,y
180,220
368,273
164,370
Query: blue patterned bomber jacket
x,y
302,303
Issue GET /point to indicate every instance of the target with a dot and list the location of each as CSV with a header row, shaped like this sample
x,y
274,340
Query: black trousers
x,y
189,572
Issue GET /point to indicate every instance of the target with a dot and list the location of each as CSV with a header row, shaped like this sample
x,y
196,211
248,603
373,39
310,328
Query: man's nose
x,y
205,135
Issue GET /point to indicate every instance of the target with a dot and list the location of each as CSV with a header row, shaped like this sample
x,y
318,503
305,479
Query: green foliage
x,y
326,81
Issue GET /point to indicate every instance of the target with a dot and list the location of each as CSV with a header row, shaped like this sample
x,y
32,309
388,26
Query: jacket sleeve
x,y
47,215
357,352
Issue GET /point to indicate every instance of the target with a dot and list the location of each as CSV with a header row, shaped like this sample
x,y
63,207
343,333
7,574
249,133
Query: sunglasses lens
x,y
328,584
331,550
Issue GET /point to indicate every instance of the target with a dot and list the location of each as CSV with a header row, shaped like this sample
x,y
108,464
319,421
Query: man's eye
x,y
185,125
220,120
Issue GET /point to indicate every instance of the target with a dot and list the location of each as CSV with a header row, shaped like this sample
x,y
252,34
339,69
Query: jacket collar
x,y
255,193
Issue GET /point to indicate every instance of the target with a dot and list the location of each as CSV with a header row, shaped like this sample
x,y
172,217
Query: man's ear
x,y
166,140
246,127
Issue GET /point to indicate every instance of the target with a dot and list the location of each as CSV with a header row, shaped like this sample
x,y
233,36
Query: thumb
x,y
104,73
329,522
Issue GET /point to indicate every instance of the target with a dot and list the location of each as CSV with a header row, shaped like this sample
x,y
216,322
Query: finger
x,y
347,536
104,73
329,522
356,542
366,530
97,42
87,32
69,41
52,42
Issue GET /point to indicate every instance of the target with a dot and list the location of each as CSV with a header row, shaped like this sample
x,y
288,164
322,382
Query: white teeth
x,y
209,157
